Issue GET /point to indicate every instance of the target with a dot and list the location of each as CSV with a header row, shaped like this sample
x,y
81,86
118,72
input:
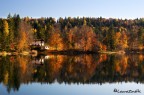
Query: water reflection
x,y
84,69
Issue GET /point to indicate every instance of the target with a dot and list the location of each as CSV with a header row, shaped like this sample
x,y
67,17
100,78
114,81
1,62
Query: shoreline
x,y
66,52
4,53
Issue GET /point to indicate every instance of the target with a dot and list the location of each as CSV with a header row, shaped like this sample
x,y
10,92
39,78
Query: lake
x,y
97,74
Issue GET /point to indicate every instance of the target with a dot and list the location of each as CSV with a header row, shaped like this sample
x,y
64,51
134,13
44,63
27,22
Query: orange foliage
x,y
102,58
122,65
55,64
102,47
56,41
117,67
141,57
23,64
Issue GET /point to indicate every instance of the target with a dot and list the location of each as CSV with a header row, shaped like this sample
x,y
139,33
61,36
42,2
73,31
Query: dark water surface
x,y
72,75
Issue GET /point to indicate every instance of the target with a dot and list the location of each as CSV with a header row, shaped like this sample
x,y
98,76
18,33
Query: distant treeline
x,y
85,34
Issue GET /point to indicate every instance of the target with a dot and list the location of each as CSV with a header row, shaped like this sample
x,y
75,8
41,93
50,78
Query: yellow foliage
x,y
118,35
6,27
141,57
25,36
22,42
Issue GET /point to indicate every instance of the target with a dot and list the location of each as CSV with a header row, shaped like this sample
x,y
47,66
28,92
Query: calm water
x,y
72,75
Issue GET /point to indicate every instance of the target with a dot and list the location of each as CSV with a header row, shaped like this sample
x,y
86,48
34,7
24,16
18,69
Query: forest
x,y
77,33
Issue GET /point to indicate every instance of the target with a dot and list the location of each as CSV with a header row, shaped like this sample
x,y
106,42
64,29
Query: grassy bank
x,y
113,52
4,53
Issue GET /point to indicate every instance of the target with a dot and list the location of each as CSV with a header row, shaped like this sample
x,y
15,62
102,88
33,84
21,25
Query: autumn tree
x,y
5,34
56,40
82,38
5,27
71,37
25,36
124,40
87,38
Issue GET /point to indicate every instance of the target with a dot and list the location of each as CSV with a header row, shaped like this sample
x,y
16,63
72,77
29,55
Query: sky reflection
x,y
73,89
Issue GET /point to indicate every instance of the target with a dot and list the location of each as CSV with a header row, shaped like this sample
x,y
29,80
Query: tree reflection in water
x,y
85,69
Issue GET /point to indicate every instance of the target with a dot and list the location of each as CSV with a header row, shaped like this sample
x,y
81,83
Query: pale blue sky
x,y
73,8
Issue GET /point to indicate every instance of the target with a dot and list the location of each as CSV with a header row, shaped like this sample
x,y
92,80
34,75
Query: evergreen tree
x,y
111,38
